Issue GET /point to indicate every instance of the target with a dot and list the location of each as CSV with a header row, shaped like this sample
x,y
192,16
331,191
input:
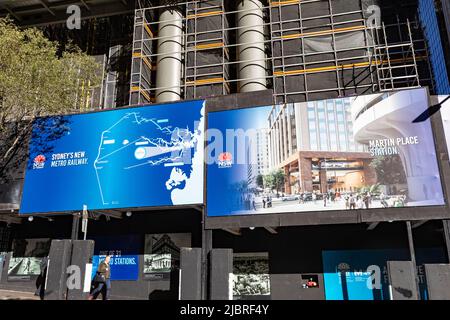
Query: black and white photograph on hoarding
x,y
250,275
28,258
162,254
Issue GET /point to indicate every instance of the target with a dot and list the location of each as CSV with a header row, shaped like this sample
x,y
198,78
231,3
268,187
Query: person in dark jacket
x,y
103,279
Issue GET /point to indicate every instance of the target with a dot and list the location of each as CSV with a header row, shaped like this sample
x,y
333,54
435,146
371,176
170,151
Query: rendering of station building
x,y
331,90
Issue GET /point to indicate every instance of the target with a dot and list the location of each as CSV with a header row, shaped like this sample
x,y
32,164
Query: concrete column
x,y
251,47
221,268
438,281
82,252
305,174
191,277
169,67
287,183
323,181
402,280
59,260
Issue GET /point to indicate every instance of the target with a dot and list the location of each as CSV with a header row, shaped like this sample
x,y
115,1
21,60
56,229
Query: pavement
x,y
17,295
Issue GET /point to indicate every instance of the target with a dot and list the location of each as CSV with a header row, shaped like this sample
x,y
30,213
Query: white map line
x,y
121,148
166,130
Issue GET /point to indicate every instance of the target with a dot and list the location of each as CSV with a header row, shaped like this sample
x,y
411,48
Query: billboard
x,y
133,157
340,154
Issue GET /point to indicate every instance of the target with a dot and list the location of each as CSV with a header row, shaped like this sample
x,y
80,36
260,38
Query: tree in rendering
x,y
275,180
37,79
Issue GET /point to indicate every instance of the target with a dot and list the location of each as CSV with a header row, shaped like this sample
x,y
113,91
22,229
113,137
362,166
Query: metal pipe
x,y
250,38
169,67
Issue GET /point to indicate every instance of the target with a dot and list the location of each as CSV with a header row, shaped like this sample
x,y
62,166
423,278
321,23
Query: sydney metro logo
x,y
39,162
225,160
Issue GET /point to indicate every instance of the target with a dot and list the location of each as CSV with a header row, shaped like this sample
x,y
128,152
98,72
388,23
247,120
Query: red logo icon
x,y
225,160
39,162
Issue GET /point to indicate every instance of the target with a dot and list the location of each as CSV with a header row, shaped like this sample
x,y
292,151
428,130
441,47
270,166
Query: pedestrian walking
x,y
102,280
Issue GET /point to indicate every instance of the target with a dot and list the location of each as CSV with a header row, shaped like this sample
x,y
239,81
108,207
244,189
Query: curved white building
x,y
384,123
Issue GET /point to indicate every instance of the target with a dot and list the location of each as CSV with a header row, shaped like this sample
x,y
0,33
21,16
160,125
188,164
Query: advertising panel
x,y
124,252
362,274
133,157
342,154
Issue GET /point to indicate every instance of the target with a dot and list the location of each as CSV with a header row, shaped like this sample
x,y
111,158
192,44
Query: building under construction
x,y
302,50
275,52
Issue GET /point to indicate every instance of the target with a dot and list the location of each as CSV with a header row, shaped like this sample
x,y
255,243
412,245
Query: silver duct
x,y
250,38
169,67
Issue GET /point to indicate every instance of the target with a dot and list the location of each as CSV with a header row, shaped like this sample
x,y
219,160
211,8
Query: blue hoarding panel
x,y
124,252
134,157
347,277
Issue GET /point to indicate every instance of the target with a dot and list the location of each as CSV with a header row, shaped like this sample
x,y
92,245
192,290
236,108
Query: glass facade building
x,y
429,21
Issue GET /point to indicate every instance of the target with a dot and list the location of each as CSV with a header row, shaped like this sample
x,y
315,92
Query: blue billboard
x,y
123,158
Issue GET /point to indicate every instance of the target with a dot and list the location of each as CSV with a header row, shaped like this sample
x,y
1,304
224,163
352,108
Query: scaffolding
x,y
314,49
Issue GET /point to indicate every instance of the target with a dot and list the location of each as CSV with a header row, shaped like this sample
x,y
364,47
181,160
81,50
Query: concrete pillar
x,y
191,274
323,181
438,281
221,268
287,183
402,280
169,67
59,260
251,47
305,174
82,252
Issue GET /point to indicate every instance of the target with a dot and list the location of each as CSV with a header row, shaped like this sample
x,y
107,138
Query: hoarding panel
x,y
340,154
135,157
363,275
124,252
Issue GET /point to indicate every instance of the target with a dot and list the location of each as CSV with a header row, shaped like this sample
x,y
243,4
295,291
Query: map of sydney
x,y
135,146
